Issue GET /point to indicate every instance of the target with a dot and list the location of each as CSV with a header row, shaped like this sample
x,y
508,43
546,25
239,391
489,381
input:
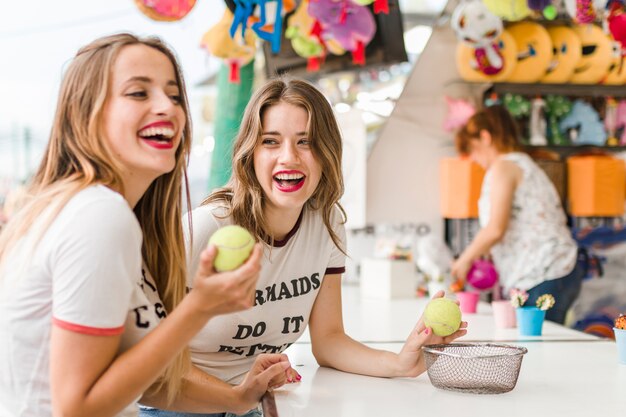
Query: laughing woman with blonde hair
x,y
92,267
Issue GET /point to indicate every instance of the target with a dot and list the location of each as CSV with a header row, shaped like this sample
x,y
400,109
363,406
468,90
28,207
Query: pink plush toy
x,y
459,112
350,24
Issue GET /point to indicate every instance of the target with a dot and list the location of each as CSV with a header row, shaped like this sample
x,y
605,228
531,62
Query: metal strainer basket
x,y
476,368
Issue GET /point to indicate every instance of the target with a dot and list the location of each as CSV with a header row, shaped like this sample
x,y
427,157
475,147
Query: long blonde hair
x,y
243,195
77,156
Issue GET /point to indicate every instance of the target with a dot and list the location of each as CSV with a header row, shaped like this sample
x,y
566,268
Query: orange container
x,y
596,185
461,179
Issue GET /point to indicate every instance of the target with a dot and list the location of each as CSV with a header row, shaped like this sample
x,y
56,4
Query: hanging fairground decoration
x,y
475,25
165,10
269,25
306,43
235,52
350,24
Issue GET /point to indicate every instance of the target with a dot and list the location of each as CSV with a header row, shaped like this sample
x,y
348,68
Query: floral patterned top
x,y
537,245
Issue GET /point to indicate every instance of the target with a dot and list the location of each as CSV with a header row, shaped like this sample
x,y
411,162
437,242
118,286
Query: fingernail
x,y
298,377
427,331
289,380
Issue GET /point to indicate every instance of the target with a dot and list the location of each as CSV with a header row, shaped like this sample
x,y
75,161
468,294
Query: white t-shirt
x,y
85,275
537,245
291,274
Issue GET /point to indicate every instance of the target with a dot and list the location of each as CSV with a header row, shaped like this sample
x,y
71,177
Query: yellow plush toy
x,y
596,57
235,52
469,71
534,52
511,10
617,69
567,50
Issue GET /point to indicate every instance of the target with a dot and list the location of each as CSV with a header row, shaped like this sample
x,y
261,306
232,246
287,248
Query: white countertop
x,y
569,379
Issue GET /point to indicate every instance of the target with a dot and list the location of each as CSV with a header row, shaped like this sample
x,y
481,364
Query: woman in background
x,y
523,225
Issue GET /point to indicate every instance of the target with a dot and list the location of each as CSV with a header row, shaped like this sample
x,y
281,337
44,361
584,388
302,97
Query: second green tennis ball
x,y
443,316
234,244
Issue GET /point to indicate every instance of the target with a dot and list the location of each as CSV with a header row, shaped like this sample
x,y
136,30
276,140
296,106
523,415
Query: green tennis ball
x,y
443,316
234,244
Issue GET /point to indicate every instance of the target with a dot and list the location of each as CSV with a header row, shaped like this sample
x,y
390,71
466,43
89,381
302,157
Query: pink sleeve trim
x,y
93,331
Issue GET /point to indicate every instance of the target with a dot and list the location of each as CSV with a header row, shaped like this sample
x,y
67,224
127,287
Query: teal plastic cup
x,y
530,320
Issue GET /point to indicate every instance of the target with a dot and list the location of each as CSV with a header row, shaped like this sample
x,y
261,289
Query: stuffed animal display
x,y
580,53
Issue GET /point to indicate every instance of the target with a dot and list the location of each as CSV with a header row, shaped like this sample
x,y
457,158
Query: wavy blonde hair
x,y
243,195
78,156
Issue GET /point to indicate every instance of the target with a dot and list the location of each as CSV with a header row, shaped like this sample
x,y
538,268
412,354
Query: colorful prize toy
x,y
556,108
165,10
350,24
482,275
584,125
475,25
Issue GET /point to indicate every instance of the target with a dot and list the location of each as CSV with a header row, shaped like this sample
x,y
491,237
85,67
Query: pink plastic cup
x,y
468,300
503,314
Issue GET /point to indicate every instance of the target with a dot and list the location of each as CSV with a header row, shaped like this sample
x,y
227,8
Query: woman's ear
x,y
485,137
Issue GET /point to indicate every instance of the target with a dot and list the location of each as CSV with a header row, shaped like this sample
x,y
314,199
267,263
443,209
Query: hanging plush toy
x,y
459,112
351,25
583,125
475,25
235,52
299,27
269,24
610,121
556,108
538,122
510,10
165,10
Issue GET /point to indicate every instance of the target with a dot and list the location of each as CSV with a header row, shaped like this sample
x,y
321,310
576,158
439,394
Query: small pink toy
x,y
482,275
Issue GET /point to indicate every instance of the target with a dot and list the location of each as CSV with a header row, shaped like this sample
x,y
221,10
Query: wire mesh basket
x,y
476,368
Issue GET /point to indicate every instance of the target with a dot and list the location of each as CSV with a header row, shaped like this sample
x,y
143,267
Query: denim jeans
x,y
565,290
155,412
